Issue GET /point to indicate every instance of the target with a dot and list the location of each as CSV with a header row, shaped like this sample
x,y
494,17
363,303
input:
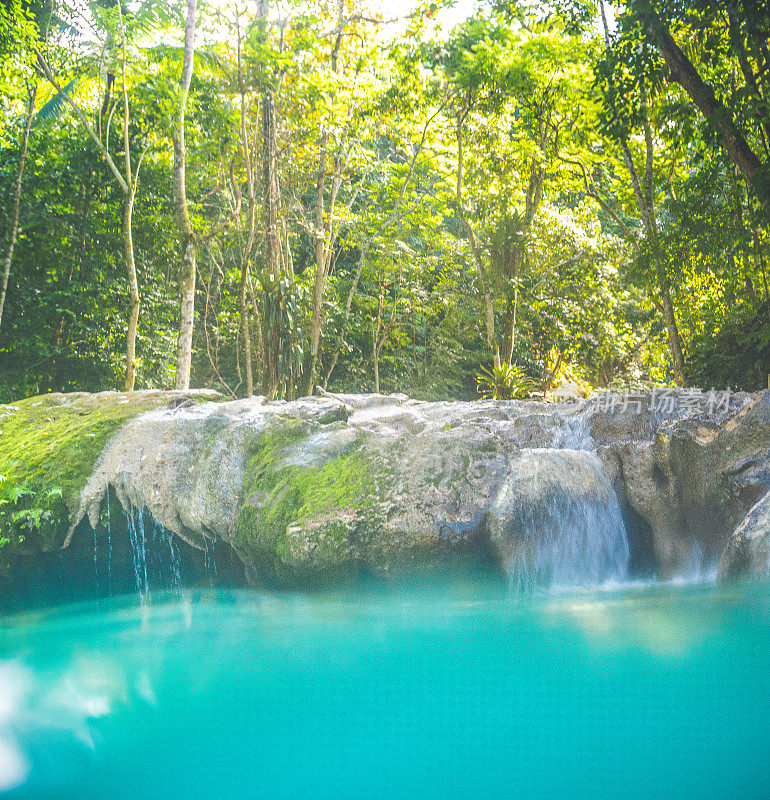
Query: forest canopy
x,y
276,198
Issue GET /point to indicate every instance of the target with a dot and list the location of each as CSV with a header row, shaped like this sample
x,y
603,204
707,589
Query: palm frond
x,y
54,108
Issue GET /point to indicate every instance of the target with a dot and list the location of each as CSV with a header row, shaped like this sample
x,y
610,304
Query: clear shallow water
x,y
449,691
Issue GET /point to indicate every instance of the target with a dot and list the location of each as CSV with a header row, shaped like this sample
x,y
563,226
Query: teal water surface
x,y
426,692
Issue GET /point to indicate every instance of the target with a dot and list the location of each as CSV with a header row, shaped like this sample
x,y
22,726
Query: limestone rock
x,y
322,486
748,551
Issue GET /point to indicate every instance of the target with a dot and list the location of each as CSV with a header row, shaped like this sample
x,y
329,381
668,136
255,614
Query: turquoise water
x,y
435,691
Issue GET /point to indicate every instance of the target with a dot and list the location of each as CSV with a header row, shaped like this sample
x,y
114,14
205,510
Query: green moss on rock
x,y
303,520
48,448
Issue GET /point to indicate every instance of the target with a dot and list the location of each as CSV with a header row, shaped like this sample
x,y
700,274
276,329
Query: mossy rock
x,y
299,522
48,448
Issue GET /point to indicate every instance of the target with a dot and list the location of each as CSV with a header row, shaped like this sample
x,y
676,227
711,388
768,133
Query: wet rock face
x,y
748,551
318,487
698,478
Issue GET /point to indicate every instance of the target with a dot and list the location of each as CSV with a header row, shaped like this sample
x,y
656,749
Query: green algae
x,y
48,448
327,502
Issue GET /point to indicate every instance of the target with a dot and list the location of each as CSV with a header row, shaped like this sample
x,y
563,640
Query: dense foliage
x,y
546,192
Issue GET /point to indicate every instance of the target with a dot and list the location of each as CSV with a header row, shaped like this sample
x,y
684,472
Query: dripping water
x,y
166,542
109,546
135,523
209,564
96,564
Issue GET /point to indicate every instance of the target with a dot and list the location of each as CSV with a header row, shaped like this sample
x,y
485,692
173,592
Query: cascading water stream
x,y
558,523
156,556
569,544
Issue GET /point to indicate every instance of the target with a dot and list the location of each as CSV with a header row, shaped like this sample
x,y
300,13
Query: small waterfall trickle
x,y
166,539
209,563
96,564
573,434
109,547
558,523
136,532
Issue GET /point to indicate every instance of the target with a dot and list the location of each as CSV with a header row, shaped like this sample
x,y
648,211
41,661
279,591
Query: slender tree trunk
x,y
647,209
645,204
187,279
674,340
532,204
323,247
273,328
127,184
185,236
128,241
368,243
249,246
320,269
245,333
133,289
346,314
511,312
376,344
14,227
324,236
489,315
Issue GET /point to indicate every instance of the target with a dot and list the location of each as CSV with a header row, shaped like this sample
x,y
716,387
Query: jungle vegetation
x,y
268,198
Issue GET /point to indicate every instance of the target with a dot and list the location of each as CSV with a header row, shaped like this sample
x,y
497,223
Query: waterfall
x,y
557,522
573,434
570,543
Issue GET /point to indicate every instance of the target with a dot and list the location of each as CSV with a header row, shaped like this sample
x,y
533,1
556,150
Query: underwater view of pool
x,y
433,690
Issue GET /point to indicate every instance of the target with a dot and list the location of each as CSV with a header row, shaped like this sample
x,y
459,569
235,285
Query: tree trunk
x,y
346,314
186,239
128,241
702,94
128,186
187,277
511,312
316,318
243,311
674,340
133,289
647,208
249,246
273,328
376,344
489,316
14,227
644,202
368,243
